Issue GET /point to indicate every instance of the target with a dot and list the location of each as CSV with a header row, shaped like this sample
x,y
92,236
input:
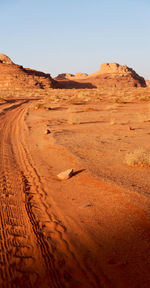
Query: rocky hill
x,y
14,76
115,75
109,75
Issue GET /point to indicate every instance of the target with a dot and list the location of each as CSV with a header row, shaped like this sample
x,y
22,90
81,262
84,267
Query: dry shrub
x,y
39,105
3,99
119,100
139,157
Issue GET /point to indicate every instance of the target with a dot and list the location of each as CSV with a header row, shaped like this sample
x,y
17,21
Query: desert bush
x,y
39,105
119,100
139,157
144,98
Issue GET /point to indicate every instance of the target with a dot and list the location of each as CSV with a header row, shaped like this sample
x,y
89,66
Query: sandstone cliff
x,y
14,76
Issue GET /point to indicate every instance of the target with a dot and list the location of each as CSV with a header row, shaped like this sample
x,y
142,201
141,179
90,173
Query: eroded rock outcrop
x,y
115,75
109,75
5,59
63,76
71,76
14,76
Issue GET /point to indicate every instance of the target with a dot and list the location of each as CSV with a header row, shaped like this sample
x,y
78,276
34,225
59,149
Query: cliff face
x,y
14,76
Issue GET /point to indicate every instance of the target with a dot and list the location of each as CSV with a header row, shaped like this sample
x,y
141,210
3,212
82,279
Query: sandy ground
x,y
91,230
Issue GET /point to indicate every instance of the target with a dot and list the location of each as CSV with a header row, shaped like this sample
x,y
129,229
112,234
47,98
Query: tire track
x,y
53,226
53,229
18,259
24,199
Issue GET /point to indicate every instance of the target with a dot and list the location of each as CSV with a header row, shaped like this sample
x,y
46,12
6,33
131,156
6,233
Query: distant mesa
x,y
115,75
109,75
115,69
13,76
63,76
71,76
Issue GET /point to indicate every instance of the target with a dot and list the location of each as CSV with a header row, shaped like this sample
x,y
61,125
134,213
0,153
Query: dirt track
x,y
28,256
78,233
21,245
25,256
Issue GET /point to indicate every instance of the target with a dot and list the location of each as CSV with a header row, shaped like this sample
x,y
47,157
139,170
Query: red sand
x,y
92,230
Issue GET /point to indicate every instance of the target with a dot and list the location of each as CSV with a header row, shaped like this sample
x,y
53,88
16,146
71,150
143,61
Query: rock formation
x,y
109,75
115,75
14,76
81,75
63,76
71,76
5,59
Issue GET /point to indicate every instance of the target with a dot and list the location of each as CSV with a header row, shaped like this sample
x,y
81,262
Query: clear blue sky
x,y
76,35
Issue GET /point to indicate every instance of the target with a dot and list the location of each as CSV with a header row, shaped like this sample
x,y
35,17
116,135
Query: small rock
x,y
130,128
65,174
47,131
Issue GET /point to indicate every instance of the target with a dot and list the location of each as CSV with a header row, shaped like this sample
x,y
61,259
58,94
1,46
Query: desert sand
x,y
93,229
